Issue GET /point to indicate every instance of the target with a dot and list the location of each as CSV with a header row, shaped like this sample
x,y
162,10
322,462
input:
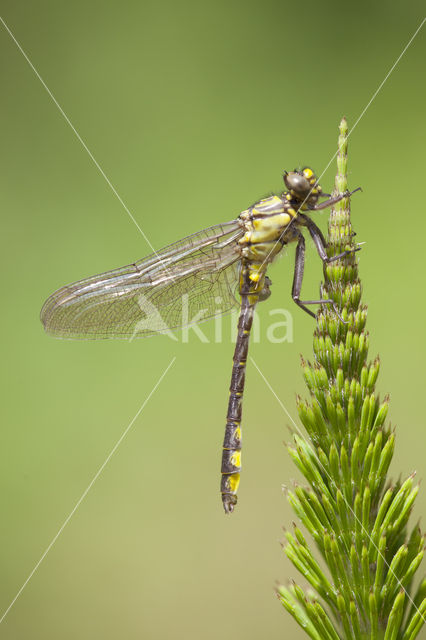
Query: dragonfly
x,y
226,262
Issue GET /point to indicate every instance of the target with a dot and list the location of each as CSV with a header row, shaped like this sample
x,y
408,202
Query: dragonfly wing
x,y
187,282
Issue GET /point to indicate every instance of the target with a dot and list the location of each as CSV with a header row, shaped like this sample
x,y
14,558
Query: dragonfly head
x,y
303,186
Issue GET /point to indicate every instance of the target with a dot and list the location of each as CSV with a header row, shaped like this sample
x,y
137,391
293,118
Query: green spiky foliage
x,y
363,585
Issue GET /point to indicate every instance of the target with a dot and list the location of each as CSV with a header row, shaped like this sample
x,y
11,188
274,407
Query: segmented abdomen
x,y
231,456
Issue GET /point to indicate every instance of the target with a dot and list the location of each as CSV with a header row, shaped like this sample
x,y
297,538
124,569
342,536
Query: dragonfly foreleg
x,y
320,242
333,200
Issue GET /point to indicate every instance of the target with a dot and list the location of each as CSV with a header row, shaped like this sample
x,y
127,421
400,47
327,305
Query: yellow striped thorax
x,y
265,223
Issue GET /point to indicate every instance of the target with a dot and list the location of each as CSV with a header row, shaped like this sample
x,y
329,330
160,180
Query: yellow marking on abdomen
x,y
233,482
235,459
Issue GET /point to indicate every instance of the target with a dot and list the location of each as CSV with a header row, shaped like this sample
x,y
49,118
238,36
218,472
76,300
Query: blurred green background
x,y
193,110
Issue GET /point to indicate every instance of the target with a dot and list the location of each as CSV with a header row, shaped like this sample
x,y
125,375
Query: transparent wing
x,y
187,282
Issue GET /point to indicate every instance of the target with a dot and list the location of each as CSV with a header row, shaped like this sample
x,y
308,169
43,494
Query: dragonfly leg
x,y
321,244
298,279
333,200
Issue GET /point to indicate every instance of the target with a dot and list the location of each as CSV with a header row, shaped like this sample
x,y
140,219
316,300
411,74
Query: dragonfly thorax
x,y
266,224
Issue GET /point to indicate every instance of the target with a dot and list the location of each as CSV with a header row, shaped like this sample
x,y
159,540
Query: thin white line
x,y
77,135
275,395
320,464
376,92
353,128
86,491
387,76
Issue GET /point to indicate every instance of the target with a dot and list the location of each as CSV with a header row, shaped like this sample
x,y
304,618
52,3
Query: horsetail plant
x,y
356,516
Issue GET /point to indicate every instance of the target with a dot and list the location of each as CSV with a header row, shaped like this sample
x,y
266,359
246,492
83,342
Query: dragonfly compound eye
x,y
297,184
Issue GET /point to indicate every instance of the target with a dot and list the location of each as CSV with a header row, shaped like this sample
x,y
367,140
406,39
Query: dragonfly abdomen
x,y
231,455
